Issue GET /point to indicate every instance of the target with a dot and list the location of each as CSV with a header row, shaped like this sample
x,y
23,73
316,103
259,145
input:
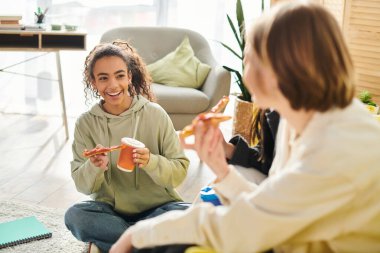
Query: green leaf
x,y
239,80
237,37
241,23
231,50
230,69
366,98
240,38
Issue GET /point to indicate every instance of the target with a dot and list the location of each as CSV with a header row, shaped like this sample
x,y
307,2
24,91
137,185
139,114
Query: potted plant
x,y
244,109
238,33
366,98
40,15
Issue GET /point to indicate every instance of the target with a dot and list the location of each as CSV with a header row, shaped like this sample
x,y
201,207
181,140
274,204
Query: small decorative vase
x,y
40,19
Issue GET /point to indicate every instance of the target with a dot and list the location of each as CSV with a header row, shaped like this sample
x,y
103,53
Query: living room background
x,y
37,95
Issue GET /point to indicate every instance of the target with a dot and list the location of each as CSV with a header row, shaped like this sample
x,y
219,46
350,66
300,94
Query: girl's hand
x,y
123,245
141,156
209,145
229,148
101,160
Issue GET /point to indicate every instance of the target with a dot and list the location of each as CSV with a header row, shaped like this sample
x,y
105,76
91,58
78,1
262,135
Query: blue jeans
x,y
97,222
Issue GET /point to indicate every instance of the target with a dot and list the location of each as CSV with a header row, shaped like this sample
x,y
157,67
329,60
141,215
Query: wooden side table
x,y
44,41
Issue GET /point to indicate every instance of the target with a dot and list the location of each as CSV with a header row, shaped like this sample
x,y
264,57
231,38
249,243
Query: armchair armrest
x,y
217,84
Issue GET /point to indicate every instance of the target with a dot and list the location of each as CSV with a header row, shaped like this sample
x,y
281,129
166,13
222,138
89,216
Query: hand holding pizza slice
x,y
214,117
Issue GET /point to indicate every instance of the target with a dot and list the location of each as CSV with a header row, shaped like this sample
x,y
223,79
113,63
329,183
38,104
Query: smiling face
x,y
112,79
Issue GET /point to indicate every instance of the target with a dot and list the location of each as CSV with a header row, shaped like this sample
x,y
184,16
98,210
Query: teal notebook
x,y
21,231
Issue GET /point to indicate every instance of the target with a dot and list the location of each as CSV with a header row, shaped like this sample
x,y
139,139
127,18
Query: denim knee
x,y
70,216
75,221
77,218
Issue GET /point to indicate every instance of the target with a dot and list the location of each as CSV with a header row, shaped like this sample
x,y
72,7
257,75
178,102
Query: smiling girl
x,y
116,74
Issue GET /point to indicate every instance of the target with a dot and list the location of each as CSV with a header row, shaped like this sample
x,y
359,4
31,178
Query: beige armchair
x,y
153,43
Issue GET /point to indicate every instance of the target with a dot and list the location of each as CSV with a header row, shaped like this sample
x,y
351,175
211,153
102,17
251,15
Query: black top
x,y
248,156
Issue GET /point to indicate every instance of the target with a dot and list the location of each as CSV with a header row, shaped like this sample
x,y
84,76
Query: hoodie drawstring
x,y
137,169
108,172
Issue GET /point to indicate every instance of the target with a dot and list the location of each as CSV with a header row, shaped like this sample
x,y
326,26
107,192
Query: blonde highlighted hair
x,y
305,48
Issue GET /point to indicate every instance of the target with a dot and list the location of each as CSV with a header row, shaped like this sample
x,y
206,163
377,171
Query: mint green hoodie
x,y
127,192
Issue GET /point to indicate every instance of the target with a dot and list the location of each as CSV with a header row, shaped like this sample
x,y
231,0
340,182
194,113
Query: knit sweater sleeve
x,y
275,204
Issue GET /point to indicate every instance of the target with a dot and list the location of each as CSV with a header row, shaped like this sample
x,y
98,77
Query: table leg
x,y
62,93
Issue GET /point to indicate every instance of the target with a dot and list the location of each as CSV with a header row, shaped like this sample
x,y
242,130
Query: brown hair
x,y
305,48
141,80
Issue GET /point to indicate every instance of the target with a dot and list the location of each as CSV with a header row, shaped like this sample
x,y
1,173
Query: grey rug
x,y
61,241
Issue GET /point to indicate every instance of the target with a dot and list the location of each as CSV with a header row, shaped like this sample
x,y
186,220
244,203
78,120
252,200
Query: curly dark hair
x,y
141,79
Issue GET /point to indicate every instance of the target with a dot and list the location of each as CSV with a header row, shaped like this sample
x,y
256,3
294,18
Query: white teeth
x,y
114,94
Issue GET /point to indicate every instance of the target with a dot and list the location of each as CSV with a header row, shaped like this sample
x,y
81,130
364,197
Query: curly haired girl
x,y
116,74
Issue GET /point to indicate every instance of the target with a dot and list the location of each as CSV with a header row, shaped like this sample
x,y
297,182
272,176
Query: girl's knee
x,y
75,215
70,216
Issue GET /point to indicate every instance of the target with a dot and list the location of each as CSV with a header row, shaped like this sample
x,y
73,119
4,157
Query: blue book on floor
x,y
22,231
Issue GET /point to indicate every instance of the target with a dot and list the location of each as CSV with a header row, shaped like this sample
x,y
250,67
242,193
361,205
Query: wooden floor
x,y
36,159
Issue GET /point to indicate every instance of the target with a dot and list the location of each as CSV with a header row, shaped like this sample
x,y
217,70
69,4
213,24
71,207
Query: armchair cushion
x,y
181,99
180,68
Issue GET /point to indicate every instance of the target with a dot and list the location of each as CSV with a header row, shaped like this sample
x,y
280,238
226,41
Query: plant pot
x,y
244,113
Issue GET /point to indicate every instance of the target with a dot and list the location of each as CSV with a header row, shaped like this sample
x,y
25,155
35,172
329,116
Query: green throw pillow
x,y
180,68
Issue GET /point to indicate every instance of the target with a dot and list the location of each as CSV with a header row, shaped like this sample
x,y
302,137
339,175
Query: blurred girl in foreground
x,y
322,191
